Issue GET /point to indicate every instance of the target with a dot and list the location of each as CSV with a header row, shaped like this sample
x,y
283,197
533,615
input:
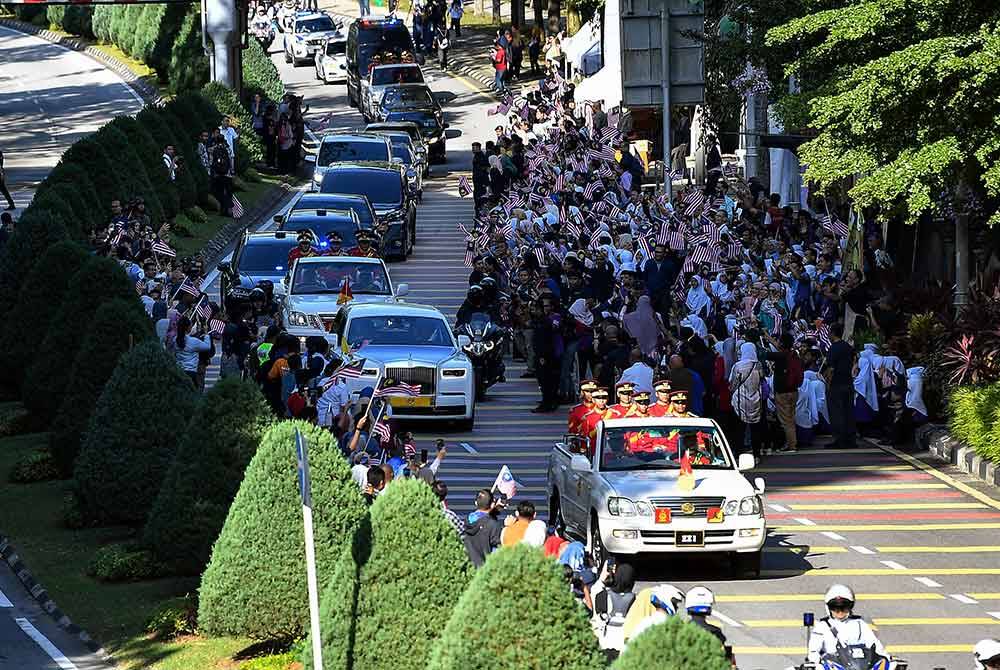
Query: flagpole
x,y
302,455
370,431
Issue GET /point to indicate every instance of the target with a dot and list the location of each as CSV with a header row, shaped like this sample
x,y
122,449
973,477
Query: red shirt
x,y
575,420
659,410
500,59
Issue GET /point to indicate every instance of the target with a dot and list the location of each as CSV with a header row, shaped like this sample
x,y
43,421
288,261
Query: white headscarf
x,y
812,400
720,288
579,311
698,301
864,383
876,358
748,353
697,324
727,349
915,390
612,255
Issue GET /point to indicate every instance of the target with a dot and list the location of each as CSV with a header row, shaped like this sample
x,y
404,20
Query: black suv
x,y
367,37
387,190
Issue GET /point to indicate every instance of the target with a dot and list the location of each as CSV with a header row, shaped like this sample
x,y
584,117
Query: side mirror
x,y
310,158
402,289
579,463
745,462
333,340
224,266
464,341
279,218
758,483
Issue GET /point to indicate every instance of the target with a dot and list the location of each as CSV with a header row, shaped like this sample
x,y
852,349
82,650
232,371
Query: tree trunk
x,y
554,11
539,7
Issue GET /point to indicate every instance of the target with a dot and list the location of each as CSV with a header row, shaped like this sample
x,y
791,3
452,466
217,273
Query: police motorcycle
x,y
484,349
845,654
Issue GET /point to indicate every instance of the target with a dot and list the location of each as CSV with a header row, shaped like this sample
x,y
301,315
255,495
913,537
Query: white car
x,y
629,496
412,344
331,60
381,77
309,32
314,285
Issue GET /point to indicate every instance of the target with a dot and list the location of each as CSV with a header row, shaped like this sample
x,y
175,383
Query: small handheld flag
x,y
505,483
464,188
237,208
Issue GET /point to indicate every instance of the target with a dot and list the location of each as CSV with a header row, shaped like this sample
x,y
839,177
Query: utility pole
x,y
223,24
961,245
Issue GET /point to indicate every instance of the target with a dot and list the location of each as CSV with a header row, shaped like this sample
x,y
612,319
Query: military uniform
x,y
574,423
678,405
662,406
594,417
368,238
624,391
298,252
640,406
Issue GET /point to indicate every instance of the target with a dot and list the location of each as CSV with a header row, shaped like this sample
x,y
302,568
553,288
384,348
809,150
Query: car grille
x,y
711,536
676,503
423,376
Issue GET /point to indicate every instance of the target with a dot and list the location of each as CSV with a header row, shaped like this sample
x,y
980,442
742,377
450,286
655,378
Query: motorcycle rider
x,y
841,627
698,602
987,655
474,302
664,602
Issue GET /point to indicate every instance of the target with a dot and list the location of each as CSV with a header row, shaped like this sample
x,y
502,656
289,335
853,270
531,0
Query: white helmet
x,y
699,600
841,594
667,598
984,651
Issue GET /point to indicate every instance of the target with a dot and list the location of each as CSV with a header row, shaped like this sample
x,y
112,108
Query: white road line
x,y
927,581
962,598
995,615
833,536
729,621
862,550
45,644
893,564
467,447
805,522
4,601
777,508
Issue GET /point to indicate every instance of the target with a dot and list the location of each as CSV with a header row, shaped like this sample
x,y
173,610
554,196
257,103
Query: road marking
x,y
985,596
972,549
995,615
810,452
906,621
928,582
862,550
893,564
857,487
978,495
818,597
467,447
877,572
962,598
729,621
893,526
890,506
805,550
832,535
895,649
47,646
777,508
4,601
806,522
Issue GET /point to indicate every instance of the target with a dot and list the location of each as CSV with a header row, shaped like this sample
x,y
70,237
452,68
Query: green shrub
x,y
211,204
74,19
28,12
177,616
65,203
208,115
131,173
260,74
252,176
158,27
971,414
37,466
151,157
100,23
34,234
162,132
188,69
78,178
196,215
547,627
96,282
132,435
283,661
55,15
675,644
229,105
16,421
372,592
203,479
122,563
255,583
43,290
91,156
117,326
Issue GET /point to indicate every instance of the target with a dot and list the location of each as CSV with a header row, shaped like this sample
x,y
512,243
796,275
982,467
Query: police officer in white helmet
x,y
665,601
698,603
987,655
841,627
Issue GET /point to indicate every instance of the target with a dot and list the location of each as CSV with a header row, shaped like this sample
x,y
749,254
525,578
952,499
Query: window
x,y
317,25
661,447
384,76
398,331
336,48
383,187
350,151
267,258
407,97
364,278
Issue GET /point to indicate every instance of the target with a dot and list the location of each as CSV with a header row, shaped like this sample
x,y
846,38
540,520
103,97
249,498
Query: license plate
x,y
409,401
690,538
662,515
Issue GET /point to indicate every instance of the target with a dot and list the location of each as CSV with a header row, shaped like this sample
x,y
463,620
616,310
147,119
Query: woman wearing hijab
x,y
746,390
915,396
892,378
722,367
643,326
698,301
612,605
810,407
865,390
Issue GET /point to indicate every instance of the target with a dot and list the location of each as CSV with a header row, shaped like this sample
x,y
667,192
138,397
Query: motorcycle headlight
x,y
489,345
621,507
298,319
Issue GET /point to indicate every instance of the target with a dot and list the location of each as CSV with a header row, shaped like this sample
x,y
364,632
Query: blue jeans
x,y
364,8
498,80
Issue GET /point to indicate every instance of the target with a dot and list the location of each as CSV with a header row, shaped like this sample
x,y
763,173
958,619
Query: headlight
x,y
621,507
731,508
298,319
750,506
453,373
643,509
489,345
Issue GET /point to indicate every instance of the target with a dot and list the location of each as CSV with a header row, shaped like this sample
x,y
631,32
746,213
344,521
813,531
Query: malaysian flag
x,y
610,135
163,249
591,189
204,308
560,182
775,315
398,388
140,287
729,169
572,229
464,188
505,483
834,225
693,200
507,231
540,255
381,430
675,240
603,154
644,247
351,370
216,326
115,239
237,208
187,286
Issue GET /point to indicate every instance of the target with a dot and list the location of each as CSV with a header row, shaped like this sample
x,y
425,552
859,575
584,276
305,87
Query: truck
x,y
657,485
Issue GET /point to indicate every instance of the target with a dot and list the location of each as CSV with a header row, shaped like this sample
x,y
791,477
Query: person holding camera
x,y
482,529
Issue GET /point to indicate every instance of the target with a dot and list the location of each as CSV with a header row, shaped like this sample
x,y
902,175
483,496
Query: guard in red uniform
x,y
574,423
365,247
640,406
679,405
305,248
662,406
598,413
334,244
624,391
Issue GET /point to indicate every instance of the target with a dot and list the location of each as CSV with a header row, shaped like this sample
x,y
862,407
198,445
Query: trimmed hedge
x,y
61,210
66,203
132,435
250,148
43,289
160,128
974,418
95,283
151,157
95,212
255,584
74,19
675,644
34,234
188,68
260,75
130,168
373,593
93,157
205,475
526,594
117,326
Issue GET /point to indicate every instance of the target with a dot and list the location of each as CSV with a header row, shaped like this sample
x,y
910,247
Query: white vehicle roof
x,y
332,260
697,422
392,309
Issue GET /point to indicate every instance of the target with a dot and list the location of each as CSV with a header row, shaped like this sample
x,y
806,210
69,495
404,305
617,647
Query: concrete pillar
x,y
223,25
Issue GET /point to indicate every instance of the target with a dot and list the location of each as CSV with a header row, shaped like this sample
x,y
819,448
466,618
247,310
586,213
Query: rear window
x,y
407,97
381,187
317,25
397,75
336,48
323,225
266,258
349,151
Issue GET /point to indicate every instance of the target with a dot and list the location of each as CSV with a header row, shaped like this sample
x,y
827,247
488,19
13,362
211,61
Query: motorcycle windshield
x,y
479,323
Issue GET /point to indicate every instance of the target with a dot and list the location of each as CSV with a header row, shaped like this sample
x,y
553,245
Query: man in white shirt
x,y
170,161
640,374
230,135
332,401
841,628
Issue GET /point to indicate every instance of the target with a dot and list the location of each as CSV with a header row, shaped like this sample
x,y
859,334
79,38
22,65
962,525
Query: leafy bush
x,y
255,583
132,174
203,479
93,157
50,202
37,466
132,436
160,128
100,23
78,179
97,281
65,203
74,19
675,644
972,416
188,68
122,563
260,74
34,234
16,421
283,661
373,593
177,616
196,215
151,157
28,12
228,104
43,290
521,586
117,326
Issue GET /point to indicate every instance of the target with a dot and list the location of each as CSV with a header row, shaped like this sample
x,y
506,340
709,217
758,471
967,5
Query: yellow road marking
x,y
839,468
530,422
807,452
890,506
859,487
886,527
818,597
957,621
934,472
972,549
984,596
895,649
879,572
806,550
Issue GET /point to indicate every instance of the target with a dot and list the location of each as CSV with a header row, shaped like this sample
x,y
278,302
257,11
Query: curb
x,y
148,93
38,592
936,439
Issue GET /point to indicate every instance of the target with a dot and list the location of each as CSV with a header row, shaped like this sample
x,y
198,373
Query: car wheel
x,y
594,544
556,515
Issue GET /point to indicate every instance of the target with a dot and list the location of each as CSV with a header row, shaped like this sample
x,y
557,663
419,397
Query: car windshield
x,y
397,75
319,24
336,48
268,258
423,119
350,151
661,447
323,225
363,278
407,97
398,330
365,217
382,187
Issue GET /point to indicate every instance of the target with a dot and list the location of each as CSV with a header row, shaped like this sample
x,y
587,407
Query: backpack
x,y
793,372
220,161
